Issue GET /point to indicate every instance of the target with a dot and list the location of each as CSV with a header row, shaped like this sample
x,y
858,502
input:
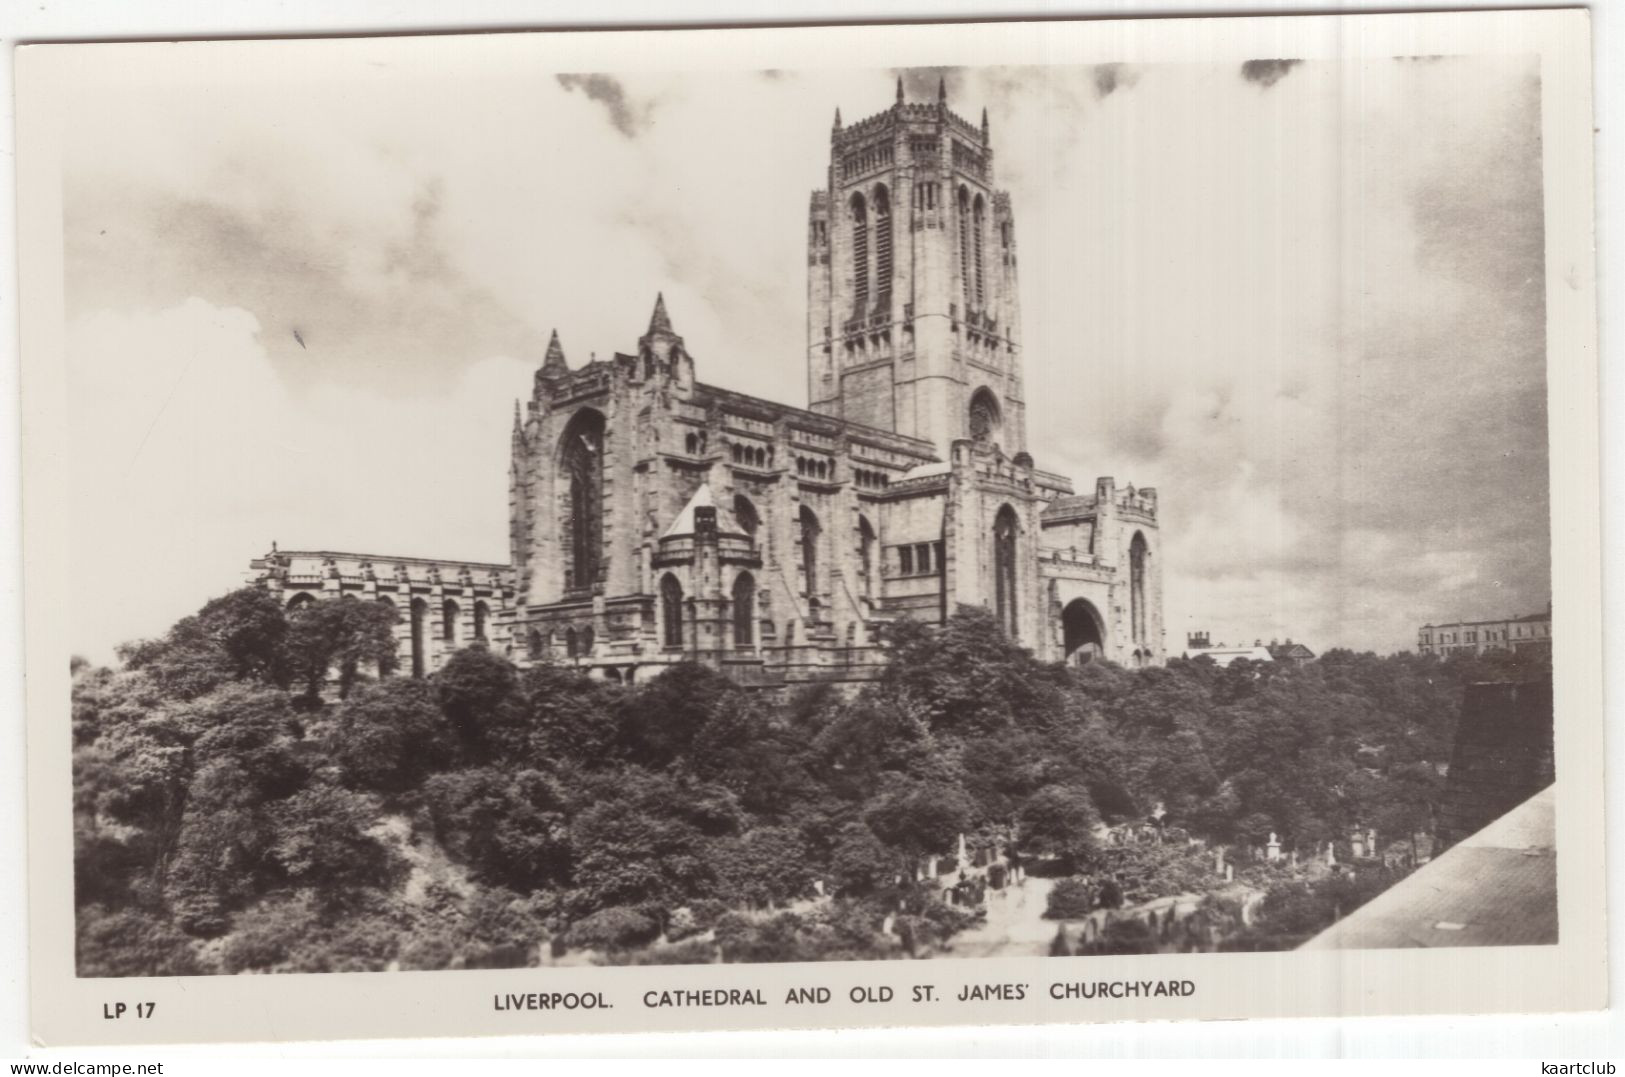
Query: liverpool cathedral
x,y
655,518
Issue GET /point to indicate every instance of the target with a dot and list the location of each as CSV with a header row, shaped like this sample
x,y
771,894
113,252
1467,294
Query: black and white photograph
x,y
517,516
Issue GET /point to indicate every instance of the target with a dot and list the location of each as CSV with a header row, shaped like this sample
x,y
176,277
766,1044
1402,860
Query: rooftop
x,y
1496,888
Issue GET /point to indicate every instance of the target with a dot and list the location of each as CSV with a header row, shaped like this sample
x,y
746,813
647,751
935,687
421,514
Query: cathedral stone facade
x,y
655,518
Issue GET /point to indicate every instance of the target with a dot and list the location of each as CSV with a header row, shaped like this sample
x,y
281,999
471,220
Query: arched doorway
x,y
1081,630
1005,530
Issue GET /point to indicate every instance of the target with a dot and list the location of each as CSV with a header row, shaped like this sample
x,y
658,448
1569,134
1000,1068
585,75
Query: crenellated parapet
x,y
1128,502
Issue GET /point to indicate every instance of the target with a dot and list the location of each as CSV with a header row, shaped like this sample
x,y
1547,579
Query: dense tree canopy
x,y
259,776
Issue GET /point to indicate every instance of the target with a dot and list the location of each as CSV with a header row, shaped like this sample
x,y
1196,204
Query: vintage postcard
x,y
975,523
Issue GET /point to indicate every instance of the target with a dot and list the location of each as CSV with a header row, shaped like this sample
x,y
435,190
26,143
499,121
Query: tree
x,y
884,730
239,636
246,755
479,691
255,729
1059,821
861,863
660,721
764,866
390,736
512,827
130,777
643,839
1070,899
918,818
220,860
343,634
319,837
131,942
251,630
614,928
569,717
969,676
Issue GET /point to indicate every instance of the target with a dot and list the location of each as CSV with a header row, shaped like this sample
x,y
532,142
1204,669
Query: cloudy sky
x,y
1305,301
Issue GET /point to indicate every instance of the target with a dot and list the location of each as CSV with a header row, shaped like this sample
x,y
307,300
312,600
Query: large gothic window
x,y
976,251
860,256
744,610
866,556
810,534
1136,587
966,277
745,514
671,610
581,467
1005,530
984,418
883,248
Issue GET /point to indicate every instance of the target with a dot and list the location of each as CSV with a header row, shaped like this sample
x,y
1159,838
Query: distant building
x,y
1287,651
1199,644
1530,633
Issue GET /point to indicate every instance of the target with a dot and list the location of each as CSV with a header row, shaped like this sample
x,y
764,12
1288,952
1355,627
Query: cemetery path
x,y
1015,925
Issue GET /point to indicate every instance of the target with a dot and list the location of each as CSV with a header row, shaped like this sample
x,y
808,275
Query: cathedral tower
x,y
913,322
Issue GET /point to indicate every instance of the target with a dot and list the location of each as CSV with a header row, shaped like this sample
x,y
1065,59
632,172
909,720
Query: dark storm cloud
x,y
920,84
1109,78
1267,72
629,117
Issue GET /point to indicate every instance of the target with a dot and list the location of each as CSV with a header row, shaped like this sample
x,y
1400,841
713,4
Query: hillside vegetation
x,y
248,798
